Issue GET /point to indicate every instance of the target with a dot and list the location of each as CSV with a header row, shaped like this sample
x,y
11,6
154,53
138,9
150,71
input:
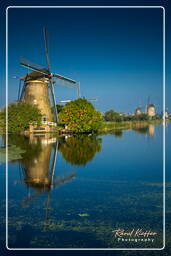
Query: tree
x,y
59,108
111,115
80,116
140,117
20,115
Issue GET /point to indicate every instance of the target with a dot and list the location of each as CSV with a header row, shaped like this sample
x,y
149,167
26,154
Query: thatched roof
x,y
33,76
150,105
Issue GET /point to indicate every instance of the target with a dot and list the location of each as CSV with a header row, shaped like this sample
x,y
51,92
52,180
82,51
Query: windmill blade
x,y
66,79
22,92
27,199
68,84
53,99
91,99
45,34
148,99
47,207
29,64
60,180
65,101
19,90
78,90
52,170
64,83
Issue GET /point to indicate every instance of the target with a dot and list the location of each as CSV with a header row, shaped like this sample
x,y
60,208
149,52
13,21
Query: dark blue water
x,y
96,185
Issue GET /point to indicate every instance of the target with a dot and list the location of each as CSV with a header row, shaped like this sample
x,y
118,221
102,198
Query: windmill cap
x,y
151,105
33,76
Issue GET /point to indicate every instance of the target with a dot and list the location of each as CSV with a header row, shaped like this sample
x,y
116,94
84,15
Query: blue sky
x,y
116,54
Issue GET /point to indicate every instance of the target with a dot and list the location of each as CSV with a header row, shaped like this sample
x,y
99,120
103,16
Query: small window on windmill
x,y
44,119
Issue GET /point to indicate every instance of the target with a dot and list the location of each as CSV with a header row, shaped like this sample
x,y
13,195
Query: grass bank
x,y
126,125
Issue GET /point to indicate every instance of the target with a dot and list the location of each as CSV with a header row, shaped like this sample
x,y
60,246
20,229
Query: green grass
x,y
126,125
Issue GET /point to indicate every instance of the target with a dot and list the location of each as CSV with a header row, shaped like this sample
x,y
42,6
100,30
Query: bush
x,y
80,116
59,108
111,115
20,115
140,117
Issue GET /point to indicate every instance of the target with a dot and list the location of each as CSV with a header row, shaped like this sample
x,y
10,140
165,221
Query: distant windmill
x,y
140,108
38,87
150,109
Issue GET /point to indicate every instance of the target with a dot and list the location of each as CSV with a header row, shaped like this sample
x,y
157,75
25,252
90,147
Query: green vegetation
x,y
114,121
108,127
111,115
14,153
106,214
30,150
80,116
139,117
20,115
59,108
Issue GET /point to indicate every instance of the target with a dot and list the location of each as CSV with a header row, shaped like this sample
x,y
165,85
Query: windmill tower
x,y
138,111
151,111
36,92
38,86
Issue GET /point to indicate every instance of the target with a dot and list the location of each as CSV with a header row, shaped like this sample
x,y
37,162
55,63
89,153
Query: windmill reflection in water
x,y
38,173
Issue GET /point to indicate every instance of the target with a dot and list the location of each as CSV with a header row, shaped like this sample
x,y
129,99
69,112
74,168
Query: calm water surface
x,y
72,192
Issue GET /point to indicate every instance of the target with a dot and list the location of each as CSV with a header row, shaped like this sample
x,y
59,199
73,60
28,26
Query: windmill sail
x,y
35,67
51,87
68,83
39,87
66,79
46,47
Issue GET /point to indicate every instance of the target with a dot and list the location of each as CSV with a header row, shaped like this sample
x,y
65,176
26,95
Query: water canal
x,y
75,191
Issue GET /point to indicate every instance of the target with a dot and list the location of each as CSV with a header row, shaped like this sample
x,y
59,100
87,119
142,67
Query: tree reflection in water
x,y
117,133
80,149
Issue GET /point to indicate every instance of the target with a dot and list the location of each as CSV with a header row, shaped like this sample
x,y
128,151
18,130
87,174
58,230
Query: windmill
x,y
88,99
150,108
38,85
141,107
79,95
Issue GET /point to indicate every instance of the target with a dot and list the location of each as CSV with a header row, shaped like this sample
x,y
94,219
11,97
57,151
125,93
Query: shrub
x,y
140,117
111,115
20,115
80,116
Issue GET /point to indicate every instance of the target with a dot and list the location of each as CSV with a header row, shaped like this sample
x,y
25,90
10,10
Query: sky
x,y
115,53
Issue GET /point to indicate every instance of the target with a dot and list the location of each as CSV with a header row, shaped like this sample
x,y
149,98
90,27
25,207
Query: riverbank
x,y
126,125
106,127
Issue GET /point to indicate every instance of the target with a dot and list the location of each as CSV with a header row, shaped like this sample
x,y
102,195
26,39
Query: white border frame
x,y
164,71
